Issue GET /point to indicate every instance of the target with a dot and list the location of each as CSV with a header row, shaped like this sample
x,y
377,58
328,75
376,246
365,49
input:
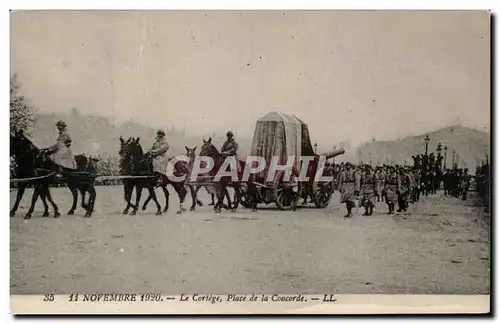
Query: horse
x,y
191,154
33,162
209,150
83,182
29,161
134,162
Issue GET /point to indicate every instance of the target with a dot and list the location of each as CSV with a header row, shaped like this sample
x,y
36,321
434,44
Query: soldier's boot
x,y
366,211
400,205
349,209
370,212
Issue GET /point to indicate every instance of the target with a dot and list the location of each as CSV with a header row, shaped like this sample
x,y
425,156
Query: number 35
x,y
48,297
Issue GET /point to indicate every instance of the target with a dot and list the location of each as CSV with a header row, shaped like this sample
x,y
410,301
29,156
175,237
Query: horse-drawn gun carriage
x,y
284,137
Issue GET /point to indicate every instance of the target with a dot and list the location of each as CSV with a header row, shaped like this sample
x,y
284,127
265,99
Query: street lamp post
x,y
445,150
439,149
427,140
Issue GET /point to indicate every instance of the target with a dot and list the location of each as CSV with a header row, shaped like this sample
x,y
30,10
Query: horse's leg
x,y
236,197
34,198
198,202
82,192
228,198
152,194
92,196
167,197
219,191
193,198
146,202
74,192
51,201
182,192
43,196
138,192
128,187
19,196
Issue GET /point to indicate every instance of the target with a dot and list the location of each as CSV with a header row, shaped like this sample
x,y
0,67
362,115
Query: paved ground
x,y
441,247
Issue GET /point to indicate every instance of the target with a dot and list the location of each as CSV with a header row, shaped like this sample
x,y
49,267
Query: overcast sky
x,y
348,75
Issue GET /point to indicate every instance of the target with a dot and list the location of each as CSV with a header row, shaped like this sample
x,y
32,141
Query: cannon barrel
x,y
333,153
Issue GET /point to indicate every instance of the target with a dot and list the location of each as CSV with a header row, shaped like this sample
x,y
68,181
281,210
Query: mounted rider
x,y
158,153
61,153
230,148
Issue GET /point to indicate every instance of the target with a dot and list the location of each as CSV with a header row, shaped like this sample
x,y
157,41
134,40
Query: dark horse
x,y
135,163
208,149
33,162
194,188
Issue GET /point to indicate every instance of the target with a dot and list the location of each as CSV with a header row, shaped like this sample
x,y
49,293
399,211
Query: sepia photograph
x,y
275,159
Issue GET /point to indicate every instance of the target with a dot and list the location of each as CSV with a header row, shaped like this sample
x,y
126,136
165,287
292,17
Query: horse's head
x,y
20,143
191,153
123,144
208,149
130,149
134,149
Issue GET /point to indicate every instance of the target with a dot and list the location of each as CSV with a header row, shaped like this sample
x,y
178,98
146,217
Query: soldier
x,y
61,152
417,184
230,148
159,154
404,185
390,188
465,183
378,183
368,190
349,183
446,182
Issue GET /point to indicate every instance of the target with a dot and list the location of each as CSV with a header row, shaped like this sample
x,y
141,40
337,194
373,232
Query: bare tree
x,y
22,116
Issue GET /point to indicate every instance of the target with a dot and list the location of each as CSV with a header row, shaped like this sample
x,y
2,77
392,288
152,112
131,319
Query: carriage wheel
x,y
286,196
322,192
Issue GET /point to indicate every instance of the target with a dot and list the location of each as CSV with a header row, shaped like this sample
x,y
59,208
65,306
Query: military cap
x,y
160,132
61,123
229,134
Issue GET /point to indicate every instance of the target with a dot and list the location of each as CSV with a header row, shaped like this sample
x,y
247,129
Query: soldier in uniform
x,y
368,189
446,182
404,185
465,183
390,188
159,153
349,183
61,152
230,148
417,182
379,185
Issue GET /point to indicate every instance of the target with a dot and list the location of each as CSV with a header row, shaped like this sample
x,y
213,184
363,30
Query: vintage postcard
x,y
250,162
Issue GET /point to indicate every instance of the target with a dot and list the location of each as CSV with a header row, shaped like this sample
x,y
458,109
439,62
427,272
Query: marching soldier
x,y
391,188
446,182
418,183
368,190
61,153
404,185
464,184
349,183
159,153
379,183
